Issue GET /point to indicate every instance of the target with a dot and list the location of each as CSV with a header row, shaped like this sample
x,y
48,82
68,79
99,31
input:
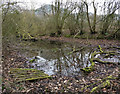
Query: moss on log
x,y
104,62
91,67
21,74
103,85
32,60
100,48
93,59
76,50
105,82
87,69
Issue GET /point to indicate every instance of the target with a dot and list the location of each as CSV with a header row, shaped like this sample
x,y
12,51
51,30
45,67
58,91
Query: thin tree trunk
x,y
88,18
81,24
94,22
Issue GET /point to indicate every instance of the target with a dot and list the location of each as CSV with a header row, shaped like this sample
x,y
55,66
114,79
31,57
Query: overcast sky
x,y
37,3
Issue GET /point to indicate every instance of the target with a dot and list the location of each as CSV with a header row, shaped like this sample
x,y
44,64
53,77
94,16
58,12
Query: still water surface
x,y
57,57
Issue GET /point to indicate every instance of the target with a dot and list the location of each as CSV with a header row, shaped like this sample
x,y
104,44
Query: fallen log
x,y
22,74
105,82
93,59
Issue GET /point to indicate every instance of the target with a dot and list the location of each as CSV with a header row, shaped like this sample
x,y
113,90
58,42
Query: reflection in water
x,y
62,63
55,58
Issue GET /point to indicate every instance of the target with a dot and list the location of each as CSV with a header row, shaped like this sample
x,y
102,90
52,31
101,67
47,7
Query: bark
x,y
88,18
109,18
94,22
113,33
92,28
60,15
81,24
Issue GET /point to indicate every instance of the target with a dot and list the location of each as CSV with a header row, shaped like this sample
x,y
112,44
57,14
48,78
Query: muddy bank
x,y
91,42
12,58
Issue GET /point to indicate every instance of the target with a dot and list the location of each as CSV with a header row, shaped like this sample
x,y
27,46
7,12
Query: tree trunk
x,y
81,24
88,19
94,22
59,30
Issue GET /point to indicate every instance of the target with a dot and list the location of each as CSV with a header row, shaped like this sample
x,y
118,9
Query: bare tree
x,y
94,21
60,13
109,17
80,17
6,7
91,27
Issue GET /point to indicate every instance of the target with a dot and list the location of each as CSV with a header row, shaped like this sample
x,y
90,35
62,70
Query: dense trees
x,y
64,18
61,12
110,16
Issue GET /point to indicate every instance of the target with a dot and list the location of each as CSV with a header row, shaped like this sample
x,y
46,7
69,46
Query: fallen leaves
x,y
58,84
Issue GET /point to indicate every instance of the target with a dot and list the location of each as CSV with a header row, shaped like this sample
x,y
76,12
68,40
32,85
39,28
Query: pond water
x,y
58,58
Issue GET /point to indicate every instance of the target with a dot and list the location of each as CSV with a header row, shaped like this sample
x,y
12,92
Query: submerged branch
x,y
76,50
93,59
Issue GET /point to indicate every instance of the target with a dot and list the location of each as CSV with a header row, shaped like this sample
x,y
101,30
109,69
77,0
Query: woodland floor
x,y
12,58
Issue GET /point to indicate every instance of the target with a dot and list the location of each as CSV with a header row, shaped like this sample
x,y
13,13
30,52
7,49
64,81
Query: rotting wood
x,y
22,74
93,59
105,82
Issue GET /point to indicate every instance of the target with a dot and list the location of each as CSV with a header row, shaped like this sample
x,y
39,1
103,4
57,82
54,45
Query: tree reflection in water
x,y
64,63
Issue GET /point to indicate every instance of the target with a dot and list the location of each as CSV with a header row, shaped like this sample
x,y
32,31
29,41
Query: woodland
x,y
61,47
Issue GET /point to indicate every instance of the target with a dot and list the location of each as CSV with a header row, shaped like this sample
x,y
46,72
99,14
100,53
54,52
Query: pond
x,y
60,58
